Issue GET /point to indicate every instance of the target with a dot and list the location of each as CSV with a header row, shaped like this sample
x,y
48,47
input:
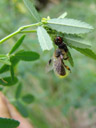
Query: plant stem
x,y
19,31
28,31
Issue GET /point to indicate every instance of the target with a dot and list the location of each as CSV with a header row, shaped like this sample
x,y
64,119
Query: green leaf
x,y
76,41
16,46
18,91
5,61
70,59
21,108
29,98
69,26
21,55
2,56
1,88
8,123
27,56
7,81
44,39
32,9
6,67
87,52
12,72
63,15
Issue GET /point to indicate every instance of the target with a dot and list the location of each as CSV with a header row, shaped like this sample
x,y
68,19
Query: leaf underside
x,y
77,41
44,39
87,52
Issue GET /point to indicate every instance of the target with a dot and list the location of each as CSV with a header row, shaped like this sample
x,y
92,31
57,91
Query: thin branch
x,y
18,31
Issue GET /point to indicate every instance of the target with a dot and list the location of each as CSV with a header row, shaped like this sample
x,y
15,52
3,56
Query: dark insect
x,y
58,40
57,61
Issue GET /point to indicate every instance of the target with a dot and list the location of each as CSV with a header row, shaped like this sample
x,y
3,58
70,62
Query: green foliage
x,y
28,98
12,72
69,26
18,43
87,52
77,41
61,25
5,61
27,55
7,81
18,91
8,123
21,108
4,68
54,96
70,59
32,10
44,39
63,15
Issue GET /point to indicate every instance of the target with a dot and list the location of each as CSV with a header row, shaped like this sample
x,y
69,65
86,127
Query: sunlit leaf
x,y
8,123
29,98
62,15
32,9
18,43
69,26
44,39
2,56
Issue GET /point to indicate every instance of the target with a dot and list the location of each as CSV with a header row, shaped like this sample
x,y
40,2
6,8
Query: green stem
x,y
19,31
28,31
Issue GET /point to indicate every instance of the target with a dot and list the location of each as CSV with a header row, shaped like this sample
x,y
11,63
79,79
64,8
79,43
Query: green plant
x,y
46,29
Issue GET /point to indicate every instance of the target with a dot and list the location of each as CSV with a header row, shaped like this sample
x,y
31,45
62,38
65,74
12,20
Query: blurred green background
x,y
59,103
